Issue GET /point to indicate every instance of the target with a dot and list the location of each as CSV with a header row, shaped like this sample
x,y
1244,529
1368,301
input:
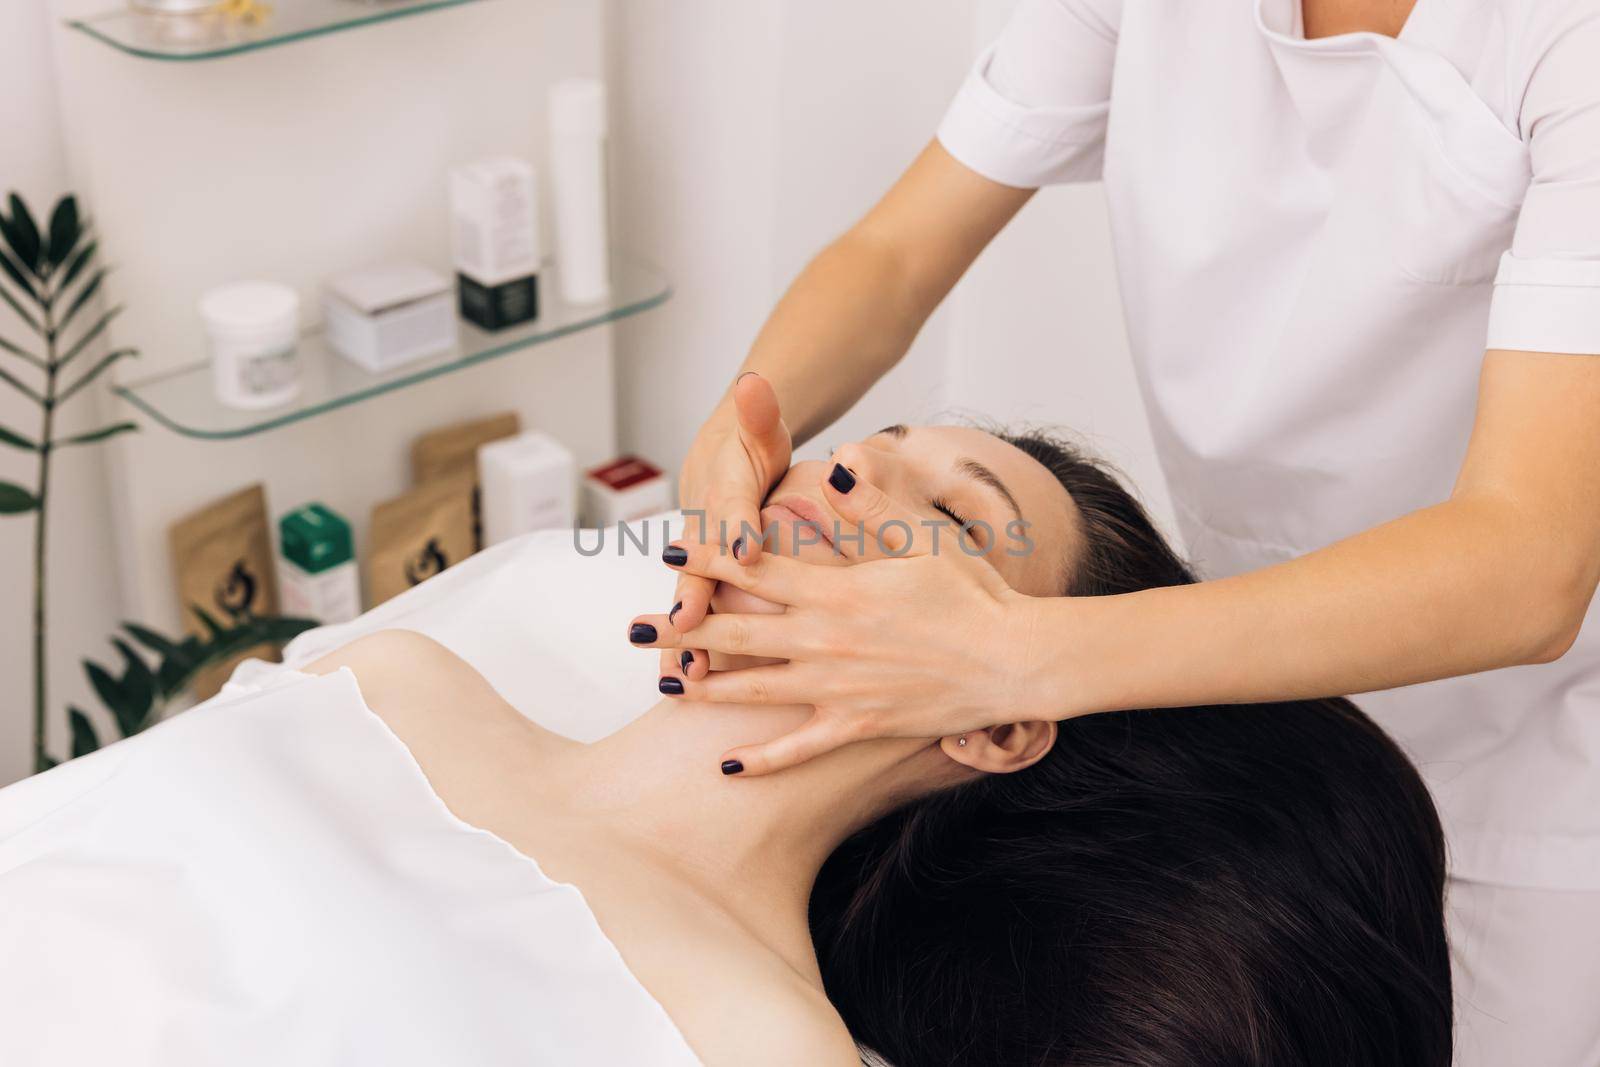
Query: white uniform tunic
x,y
1317,241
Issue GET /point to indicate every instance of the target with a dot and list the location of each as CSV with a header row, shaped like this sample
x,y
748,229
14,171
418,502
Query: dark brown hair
x,y
1229,885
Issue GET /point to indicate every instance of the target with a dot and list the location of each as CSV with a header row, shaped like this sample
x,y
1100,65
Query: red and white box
x,y
625,489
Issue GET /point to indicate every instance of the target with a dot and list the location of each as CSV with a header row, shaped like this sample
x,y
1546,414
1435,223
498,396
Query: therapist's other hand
x,y
726,475
910,642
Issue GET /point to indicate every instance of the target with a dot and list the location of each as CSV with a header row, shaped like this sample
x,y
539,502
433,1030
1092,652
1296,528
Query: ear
x,y
1001,749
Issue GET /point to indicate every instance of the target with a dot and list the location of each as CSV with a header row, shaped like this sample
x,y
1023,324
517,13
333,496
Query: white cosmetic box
x,y
382,317
528,482
623,490
495,212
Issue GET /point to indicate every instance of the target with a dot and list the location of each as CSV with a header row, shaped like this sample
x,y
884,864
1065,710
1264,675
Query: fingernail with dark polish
x,y
673,556
686,661
672,616
641,633
731,766
670,686
738,548
841,479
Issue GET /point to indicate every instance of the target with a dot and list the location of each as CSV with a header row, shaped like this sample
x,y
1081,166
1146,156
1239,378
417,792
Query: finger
x,y
766,441
691,602
694,663
688,663
742,635
817,736
886,528
781,684
760,421
775,577
738,525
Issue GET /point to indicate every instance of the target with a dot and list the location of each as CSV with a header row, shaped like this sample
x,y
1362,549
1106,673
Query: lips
x,y
801,510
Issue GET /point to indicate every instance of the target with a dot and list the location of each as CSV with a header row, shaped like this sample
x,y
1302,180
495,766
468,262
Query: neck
x,y
751,846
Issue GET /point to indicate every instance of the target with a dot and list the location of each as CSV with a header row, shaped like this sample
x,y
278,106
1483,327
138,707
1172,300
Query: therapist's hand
x,y
726,475
905,643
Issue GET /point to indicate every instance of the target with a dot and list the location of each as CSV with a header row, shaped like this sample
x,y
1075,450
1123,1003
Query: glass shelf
x,y
212,34
184,400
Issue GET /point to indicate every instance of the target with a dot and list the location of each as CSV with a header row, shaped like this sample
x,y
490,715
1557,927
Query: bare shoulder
x,y
385,652
778,1024
402,671
447,713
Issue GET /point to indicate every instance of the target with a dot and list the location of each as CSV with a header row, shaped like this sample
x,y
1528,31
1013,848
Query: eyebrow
x,y
971,468
967,467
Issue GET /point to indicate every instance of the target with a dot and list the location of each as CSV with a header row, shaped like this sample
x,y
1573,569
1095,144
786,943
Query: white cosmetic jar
x,y
253,328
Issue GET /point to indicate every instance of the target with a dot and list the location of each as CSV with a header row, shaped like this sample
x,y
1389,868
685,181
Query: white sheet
x,y
268,879
546,625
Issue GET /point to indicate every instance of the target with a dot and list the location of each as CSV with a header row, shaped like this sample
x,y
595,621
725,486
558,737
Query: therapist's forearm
x,y
858,305
844,322
1465,586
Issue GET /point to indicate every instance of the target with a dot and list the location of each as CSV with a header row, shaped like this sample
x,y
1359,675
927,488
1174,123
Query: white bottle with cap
x,y
578,175
253,328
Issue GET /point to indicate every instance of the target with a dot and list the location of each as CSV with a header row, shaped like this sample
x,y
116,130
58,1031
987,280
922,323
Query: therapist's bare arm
x,y
846,320
855,309
929,645
1500,574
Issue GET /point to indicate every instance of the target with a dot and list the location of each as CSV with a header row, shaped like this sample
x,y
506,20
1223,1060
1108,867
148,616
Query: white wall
x,y
82,579
751,134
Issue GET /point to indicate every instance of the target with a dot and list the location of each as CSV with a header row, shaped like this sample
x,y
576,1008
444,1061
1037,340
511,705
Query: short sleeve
x,y
1547,293
1033,110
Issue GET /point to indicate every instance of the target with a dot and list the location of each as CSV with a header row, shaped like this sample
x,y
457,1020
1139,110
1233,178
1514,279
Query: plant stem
x,y
41,758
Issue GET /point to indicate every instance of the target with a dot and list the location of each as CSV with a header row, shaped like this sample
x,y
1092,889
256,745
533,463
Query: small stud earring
x,y
961,742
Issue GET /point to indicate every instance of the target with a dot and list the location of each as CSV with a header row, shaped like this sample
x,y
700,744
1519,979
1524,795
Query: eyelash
x,y
940,506
938,503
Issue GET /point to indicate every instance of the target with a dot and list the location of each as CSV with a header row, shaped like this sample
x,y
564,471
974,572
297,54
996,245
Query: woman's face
x,y
1023,523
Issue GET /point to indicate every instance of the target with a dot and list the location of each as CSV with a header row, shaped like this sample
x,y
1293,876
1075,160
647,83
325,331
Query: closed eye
x,y
946,510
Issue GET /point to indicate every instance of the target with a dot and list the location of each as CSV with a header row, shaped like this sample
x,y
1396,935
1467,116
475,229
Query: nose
x,y
876,465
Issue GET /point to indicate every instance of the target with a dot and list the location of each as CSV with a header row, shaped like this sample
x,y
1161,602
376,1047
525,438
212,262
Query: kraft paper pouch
x,y
452,450
418,534
222,558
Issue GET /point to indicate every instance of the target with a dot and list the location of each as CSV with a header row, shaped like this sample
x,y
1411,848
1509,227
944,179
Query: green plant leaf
x,y
22,313
85,295
64,230
139,684
22,234
79,261
94,331
98,435
14,500
16,440
94,372
214,630
20,386
110,692
179,665
84,739
264,630
178,668
22,353
158,643
21,280
280,629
